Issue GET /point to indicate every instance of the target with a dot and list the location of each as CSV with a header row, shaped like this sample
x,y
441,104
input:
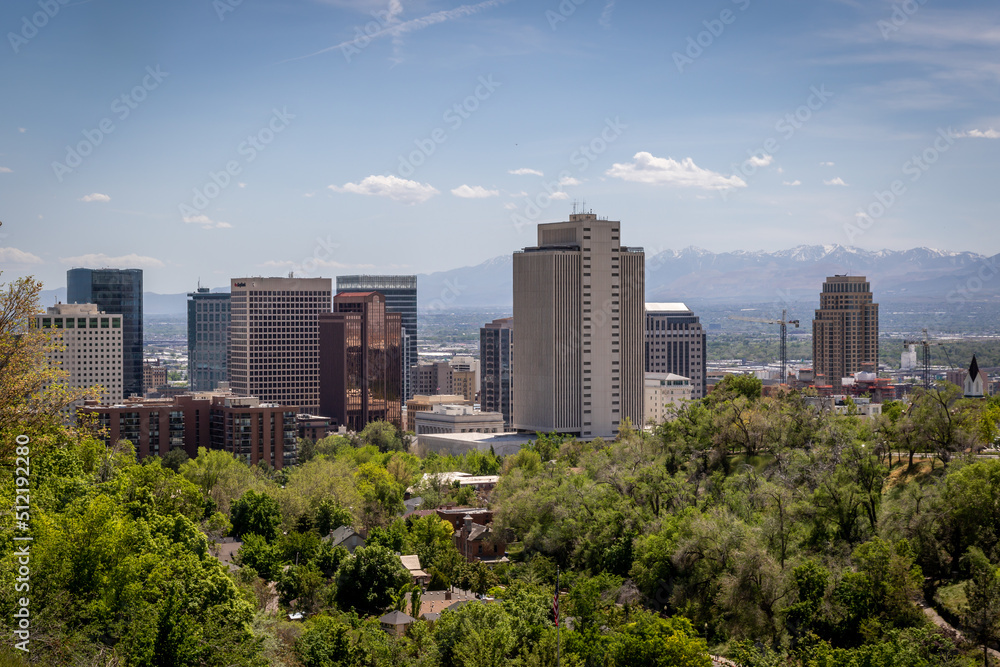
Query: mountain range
x,y
742,276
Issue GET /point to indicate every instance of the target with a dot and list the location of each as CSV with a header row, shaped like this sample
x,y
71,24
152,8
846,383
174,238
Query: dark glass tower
x,y
208,339
116,292
496,359
359,350
400,297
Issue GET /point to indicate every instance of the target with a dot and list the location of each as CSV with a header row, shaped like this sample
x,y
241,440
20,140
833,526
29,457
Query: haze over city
x,y
207,140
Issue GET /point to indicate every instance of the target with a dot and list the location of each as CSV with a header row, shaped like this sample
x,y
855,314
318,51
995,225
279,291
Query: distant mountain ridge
x,y
739,276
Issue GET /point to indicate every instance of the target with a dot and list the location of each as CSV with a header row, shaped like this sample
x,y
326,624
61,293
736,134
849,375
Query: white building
x,y
88,346
457,419
578,304
662,392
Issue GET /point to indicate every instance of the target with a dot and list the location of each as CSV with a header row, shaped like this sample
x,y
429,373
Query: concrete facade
x,y
579,307
663,391
88,347
457,419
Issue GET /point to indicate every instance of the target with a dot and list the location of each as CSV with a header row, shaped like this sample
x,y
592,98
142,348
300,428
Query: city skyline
x,y
734,126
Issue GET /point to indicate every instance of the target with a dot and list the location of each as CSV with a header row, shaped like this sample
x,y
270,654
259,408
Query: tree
x,y
32,392
383,435
981,616
659,642
256,513
325,643
368,579
175,458
221,476
258,554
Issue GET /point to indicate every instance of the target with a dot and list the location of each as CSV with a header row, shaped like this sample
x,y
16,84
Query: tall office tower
x,y
496,360
360,374
274,339
115,292
676,343
88,348
208,339
845,330
400,297
579,306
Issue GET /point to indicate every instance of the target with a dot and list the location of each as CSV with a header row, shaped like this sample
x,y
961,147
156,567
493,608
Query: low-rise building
x,y
662,392
476,541
457,419
426,402
395,623
242,425
346,537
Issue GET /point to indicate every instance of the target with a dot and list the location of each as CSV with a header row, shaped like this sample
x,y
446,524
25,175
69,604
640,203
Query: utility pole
x,y
783,322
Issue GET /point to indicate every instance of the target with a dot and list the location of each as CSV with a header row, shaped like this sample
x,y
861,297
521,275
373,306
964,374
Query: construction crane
x,y
925,359
783,323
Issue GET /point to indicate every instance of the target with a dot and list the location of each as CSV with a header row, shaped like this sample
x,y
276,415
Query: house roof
x,y
396,618
411,562
341,535
974,369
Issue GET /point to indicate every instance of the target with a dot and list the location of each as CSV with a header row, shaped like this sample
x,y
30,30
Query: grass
x,y
953,598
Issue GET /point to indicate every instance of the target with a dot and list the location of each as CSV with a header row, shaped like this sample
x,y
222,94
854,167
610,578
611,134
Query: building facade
x,y
433,377
496,359
444,418
400,294
154,375
662,393
241,425
676,343
208,339
360,371
274,338
845,330
579,307
115,292
425,403
87,346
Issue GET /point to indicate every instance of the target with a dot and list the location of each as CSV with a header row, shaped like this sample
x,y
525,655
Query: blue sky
x,y
201,139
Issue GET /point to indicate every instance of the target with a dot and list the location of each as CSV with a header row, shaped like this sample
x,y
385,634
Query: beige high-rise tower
x,y
845,330
274,338
579,307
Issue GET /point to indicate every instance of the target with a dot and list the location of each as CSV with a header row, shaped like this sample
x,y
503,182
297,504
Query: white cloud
x,y
121,262
795,182
836,181
242,185
96,196
559,195
15,256
510,206
21,130
761,160
979,134
609,8
568,180
389,186
206,222
5,170
393,28
826,164
667,171
781,170
524,171
474,192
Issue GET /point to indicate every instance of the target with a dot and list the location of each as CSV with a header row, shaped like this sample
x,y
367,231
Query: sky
x,y
202,140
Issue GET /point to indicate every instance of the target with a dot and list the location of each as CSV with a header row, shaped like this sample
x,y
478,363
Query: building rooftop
x,y
667,307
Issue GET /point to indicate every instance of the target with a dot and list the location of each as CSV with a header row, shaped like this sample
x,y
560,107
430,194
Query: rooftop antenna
x,y
575,205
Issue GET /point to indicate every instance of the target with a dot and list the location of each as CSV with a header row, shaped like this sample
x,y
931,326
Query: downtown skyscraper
x,y
115,292
274,339
496,359
580,310
400,294
845,330
208,339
